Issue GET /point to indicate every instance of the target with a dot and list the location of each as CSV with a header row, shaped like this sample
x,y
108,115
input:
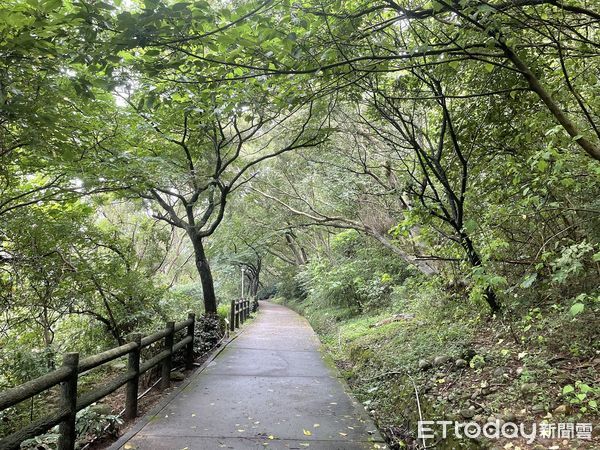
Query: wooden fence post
x,y
232,316
133,365
189,351
165,382
68,400
237,314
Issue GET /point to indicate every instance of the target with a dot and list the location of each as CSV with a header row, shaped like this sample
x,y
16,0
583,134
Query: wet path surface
x,y
269,388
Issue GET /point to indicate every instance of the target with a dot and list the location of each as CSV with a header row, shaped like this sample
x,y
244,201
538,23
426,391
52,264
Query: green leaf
x,y
577,308
529,280
568,389
470,226
542,165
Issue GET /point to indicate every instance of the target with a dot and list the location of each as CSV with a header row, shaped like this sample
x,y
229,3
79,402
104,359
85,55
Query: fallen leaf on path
x,y
307,433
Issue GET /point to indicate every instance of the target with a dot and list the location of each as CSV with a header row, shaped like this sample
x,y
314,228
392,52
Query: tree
x,y
339,43
194,155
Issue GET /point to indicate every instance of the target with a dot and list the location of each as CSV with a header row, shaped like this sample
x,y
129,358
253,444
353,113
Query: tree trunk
x,y
48,340
592,148
208,287
475,260
297,250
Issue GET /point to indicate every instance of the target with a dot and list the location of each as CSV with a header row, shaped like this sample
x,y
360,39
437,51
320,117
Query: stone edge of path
x,y
141,422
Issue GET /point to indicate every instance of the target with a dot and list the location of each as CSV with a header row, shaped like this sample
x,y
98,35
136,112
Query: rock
x,y
460,363
488,390
440,360
519,371
496,421
562,410
509,417
539,408
467,413
101,409
528,388
424,364
177,376
499,372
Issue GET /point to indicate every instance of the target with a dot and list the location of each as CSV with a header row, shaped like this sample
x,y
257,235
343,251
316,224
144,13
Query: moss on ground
x,y
517,369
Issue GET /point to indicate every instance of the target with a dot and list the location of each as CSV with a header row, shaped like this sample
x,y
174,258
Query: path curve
x,y
269,388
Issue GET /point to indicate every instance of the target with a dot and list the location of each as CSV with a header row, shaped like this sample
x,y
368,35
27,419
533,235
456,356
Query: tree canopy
x,y
333,149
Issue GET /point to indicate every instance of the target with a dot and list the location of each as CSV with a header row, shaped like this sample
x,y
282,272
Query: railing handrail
x,y
67,376
239,311
17,394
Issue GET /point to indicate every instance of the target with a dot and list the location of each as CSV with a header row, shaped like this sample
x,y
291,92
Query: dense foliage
x,y
356,157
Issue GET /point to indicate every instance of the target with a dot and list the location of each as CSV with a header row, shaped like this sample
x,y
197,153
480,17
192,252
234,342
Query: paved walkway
x,y
269,388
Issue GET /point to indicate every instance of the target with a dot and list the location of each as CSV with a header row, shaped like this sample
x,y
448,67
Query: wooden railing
x,y
239,311
67,376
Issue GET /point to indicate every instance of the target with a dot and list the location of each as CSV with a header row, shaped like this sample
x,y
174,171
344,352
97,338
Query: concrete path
x,y
269,388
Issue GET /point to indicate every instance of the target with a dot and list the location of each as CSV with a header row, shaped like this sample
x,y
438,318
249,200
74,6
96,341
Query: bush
x,y
208,332
267,292
92,423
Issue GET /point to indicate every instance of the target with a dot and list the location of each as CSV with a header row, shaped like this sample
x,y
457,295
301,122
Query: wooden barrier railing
x,y
67,376
239,311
